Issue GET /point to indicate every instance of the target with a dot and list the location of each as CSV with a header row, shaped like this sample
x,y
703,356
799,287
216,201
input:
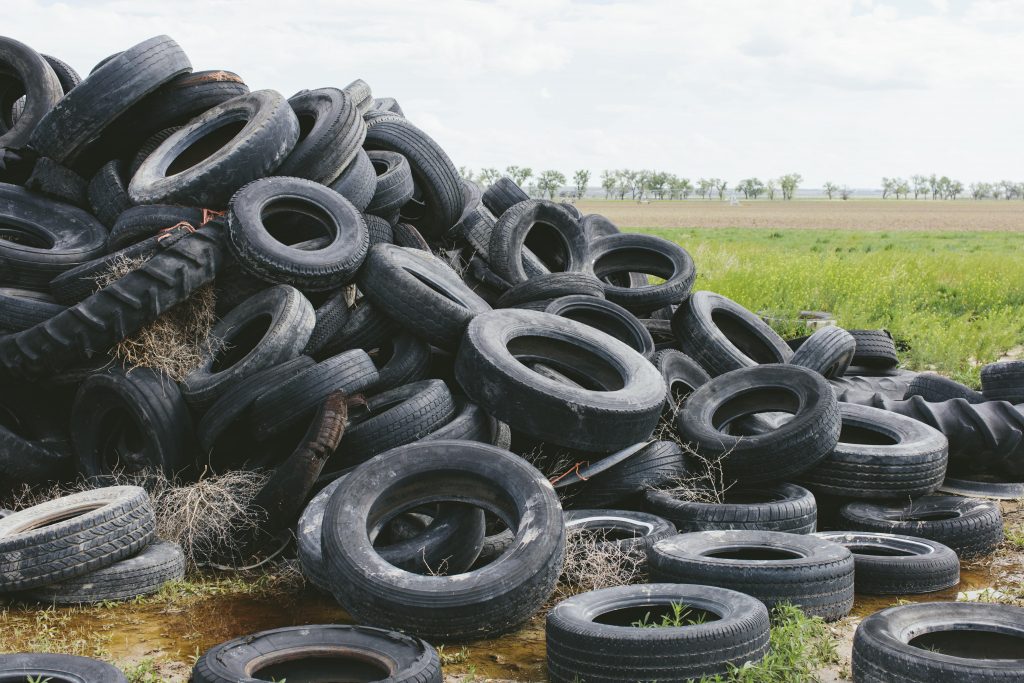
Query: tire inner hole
x,y
606,322
615,266
753,554
754,401
240,342
19,235
548,245
324,668
932,515
205,146
878,551
973,643
576,362
743,337
293,221
656,615
850,433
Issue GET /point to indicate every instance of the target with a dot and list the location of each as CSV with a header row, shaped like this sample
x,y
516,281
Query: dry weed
x,y
592,562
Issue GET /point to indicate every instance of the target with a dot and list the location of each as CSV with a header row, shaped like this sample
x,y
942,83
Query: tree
x,y
980,190
902,188
845,192
608,182
770,187
489,175
519,175
954,188
721,186
624,183
888,187
549,182
658,183
580,178
920,185
789,183
933,186
751,188
466,172
1009,188
830,188
704,186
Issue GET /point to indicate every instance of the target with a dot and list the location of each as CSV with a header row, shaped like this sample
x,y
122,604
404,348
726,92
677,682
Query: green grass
x,y
681,615
953,301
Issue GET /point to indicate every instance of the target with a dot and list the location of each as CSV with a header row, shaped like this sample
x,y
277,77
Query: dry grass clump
x,y
175,343
593,561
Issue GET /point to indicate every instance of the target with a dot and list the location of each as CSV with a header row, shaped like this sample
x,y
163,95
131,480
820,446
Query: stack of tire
x,y
94,546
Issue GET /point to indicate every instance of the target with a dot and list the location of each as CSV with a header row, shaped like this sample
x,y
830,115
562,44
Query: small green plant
x,y
1015,536
681,615
38,679
448,658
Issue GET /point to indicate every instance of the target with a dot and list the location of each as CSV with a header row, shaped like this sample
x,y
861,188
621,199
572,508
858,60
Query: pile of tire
x,y
398,348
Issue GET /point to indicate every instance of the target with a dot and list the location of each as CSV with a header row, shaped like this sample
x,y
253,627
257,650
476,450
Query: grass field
x,y
953,300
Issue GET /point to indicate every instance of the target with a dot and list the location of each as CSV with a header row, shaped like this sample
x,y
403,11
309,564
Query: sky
x,y
845,91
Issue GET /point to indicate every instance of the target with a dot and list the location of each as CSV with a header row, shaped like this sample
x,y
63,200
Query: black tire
x,y
387,104
982,486
606,316
31,75
270,327
721,335
308,534
298,652
502,195
493,599
618,255
50,179
827,351
142,222
117,311
293,400
148,146
598,226
360,94
448,544
664,337
774,455
682,376
778,507
108,192
133,422
619,478
401,359
619,406
357,182
623,530
589,636
551,286
367,328
394,184
891,387
80,282
20,309
420,292
881,455
331,132
888,564
73,535
143,574
64,668
564,251
104,95
470,423
271,220
195,166
41,238
940,642
774,567
380,230
1003,381
34,447
394,418
332,315
935,388
405,235
438,184
875,349
971,527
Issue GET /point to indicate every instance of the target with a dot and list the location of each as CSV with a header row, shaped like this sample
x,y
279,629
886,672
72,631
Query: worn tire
x,y
682,376
394,185
777,507
567,252
620,477
108,192
936,388
606,316
21,309
623,530
142,222
357,182
1003,381
646,254
34,77
875,349
331,132
63,668
551,286
827,351
889,564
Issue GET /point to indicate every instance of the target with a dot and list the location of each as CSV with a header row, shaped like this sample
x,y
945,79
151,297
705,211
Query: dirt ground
x,y
860,214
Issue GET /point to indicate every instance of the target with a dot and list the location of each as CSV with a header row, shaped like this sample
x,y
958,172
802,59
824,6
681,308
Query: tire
x,y
982,486
623,530
357,182
142,222
71,536
420,293
367,328
143,574
37,80
1003,381
875,349
295,399
776,455
971,527
117,311
828,351
470,423
619,478
108,192
360,94
299,652
449,544
396,417
134,422
661,332
149,145
936,388
266,329
332,314
64,668
438,183
551,286
21,309
502,195
263,241
331,132
50,179
779,507
491,600
589,636
387,104
33,440
402,359
41,238
564,252
721,335
881,455
606,316
407,236
394,184
682,376
598,226
95,103
941,642
887,564
380,230
184,171
81,282
774,567
620,405
646,254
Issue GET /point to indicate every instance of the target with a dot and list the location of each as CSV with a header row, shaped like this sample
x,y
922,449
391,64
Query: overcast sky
x,y
841,90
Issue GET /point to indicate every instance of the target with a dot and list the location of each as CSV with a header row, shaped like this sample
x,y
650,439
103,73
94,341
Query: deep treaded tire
x,y
74,535
1003,381
875,349
828,351
774,567
889,564
940,642
778,507
590,636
